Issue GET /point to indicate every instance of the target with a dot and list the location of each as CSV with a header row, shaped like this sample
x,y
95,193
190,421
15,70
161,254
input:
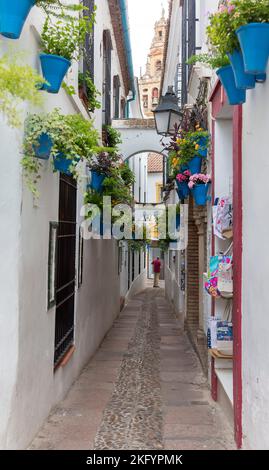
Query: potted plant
x,y
13,15
230,24
199,184
182,180
88,92
251,23
221,34
101,167
61,43
67,139
225,73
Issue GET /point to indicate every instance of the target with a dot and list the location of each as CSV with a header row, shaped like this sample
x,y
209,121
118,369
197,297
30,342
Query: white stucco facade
x,y
255,323
29,385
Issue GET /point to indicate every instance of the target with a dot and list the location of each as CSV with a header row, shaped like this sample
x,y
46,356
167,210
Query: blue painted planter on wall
x,y
13,14
183,189
179,193
254,42
260,78
54,69
243,80
43,149
200,194
97,181
226,76
195,165
63,164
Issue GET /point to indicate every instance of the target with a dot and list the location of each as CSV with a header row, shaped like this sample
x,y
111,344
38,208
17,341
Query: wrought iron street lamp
x,y
167,114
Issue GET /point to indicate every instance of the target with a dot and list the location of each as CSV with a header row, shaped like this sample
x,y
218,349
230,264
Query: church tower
x,y
149,83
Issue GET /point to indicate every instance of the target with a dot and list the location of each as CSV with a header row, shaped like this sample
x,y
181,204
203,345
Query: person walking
x,y
157,270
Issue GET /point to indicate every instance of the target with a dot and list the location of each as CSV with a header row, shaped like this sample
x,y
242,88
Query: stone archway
x,y
138,136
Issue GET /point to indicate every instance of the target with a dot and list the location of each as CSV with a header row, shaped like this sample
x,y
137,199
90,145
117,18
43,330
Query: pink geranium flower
x,y
199,178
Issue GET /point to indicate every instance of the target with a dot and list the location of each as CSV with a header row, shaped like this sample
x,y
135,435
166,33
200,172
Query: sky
x,y
142,16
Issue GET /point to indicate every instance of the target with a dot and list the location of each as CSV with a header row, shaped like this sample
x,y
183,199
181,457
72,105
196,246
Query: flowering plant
x,y
185,145
183,177
221,32
199,178
230,16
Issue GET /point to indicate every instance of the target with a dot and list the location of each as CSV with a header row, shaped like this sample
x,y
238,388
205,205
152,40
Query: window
x,y
107,47
155,96
160,34
88,52
116,96
145,90
65,268
145,101
158,66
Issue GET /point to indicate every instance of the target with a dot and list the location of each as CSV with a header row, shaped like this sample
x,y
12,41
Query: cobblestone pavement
x,y
144,389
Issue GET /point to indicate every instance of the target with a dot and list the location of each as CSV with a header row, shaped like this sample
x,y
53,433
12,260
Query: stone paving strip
x,y
143,389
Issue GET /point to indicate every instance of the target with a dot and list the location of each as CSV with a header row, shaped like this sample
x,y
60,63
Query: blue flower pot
x,y
195,165
260,78
54,69
226,76
13,14
254,42
202,142
183,189
200,194
243,80
63,164
43,149
180,194
97,181
183,168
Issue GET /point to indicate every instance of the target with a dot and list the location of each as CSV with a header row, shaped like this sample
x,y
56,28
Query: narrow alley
x,y
143,389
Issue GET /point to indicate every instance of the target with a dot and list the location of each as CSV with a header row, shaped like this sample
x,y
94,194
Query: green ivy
x,y
72,135
113,137
214,61
65,38
91,91
18,83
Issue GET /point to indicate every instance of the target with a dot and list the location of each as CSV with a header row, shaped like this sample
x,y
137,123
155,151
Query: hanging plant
x,y
72,137
88,92
18,83
61,42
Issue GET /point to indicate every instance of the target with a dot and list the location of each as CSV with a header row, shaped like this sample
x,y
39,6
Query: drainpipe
x,y
128,48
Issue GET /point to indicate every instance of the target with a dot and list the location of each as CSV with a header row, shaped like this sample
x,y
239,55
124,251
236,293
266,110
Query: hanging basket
x,y
13,14
97,181
183,189
200,194
43,148
254,42
226,76
54,69
243,80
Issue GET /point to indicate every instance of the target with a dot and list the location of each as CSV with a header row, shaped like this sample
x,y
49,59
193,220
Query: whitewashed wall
x,y
255,268
29,388
154,179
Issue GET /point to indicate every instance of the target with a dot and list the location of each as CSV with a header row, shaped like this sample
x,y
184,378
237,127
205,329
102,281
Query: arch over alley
x,y
138,136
